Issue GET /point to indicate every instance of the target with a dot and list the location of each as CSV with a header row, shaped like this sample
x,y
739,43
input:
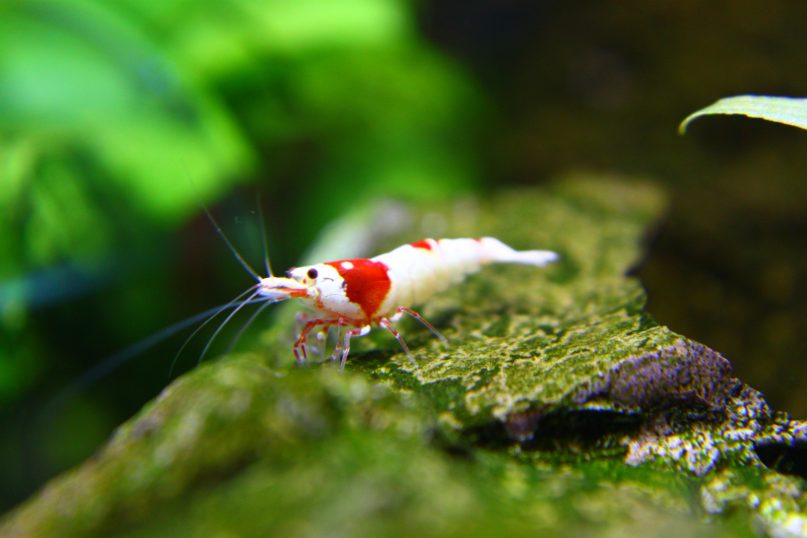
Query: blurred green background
x,y
118,120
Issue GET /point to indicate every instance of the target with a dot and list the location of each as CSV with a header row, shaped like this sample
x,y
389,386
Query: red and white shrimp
x,y
359,293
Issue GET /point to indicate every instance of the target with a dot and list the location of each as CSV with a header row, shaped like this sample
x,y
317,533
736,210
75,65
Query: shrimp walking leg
x,y
401,310
322,341
387,324
337,347
300,351
352,333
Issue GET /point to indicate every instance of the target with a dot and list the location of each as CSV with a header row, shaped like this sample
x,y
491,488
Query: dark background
x,y
117,122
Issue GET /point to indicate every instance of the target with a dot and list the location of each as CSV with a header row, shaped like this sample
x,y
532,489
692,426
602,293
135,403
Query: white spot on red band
x,y
347,266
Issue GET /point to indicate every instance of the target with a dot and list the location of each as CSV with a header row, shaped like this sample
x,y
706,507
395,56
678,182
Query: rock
x,y
559,406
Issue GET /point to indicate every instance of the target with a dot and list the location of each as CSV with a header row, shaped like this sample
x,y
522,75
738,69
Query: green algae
x,y
557,406
330,454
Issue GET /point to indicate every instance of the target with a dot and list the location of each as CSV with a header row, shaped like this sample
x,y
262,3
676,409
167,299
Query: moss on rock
x,y
558,406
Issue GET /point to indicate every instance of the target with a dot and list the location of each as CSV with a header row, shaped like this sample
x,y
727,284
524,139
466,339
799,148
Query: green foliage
x,y
116,98
787,110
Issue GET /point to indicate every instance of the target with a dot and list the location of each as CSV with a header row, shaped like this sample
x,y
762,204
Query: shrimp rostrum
x,y
356,294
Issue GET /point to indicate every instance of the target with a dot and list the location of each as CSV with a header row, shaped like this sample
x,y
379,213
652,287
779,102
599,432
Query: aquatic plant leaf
x,y
117,99
787,110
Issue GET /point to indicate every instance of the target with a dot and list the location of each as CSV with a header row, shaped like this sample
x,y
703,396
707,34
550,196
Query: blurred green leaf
x,y
297,29
787,110
111,91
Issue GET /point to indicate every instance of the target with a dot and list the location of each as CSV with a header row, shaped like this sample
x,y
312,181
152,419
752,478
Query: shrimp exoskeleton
x,y
356,294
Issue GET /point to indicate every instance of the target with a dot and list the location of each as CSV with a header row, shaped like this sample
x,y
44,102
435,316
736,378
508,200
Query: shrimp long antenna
x,y
237,301
247,325
223,323
263,238
235,253
113,362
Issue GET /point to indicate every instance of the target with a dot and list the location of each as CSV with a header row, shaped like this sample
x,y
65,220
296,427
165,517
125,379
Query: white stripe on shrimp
x,y
359,293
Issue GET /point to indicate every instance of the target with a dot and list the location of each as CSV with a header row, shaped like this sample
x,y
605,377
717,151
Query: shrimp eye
x,y
312,273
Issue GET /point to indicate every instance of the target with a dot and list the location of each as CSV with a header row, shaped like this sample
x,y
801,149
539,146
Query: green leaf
x,y
117,98
787,110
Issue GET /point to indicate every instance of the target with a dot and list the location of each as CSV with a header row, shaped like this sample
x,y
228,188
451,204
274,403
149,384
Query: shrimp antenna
x,y
223,323
263,236
237,303
113,362
247,325
233,250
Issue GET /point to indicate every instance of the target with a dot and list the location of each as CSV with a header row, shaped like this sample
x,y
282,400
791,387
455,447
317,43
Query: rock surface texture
x,y
559,406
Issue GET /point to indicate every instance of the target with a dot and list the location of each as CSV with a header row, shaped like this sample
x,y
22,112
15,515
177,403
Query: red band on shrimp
x,y
423,243
367,283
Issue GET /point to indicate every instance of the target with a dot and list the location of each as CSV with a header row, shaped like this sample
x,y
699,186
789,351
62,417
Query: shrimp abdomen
x,y
420,269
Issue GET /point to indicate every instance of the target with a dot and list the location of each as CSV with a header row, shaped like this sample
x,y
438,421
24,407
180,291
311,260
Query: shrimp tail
x,y
498,252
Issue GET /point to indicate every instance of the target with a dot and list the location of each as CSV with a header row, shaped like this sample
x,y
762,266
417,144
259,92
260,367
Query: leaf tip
x,y
682,127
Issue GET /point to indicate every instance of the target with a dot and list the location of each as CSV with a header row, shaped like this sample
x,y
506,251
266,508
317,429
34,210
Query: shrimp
x,y
360,293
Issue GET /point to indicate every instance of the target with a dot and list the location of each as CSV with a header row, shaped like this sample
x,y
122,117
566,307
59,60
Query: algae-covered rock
x,y
557,406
